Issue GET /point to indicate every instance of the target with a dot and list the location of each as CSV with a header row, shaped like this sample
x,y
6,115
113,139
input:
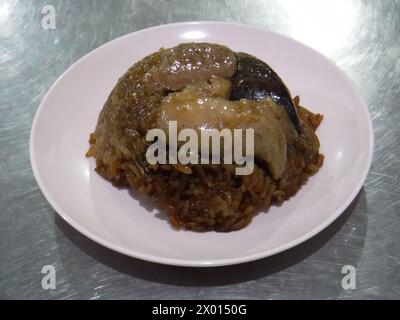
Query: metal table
x,y
360,36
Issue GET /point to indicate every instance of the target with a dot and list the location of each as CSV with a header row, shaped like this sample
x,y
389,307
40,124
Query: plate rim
x,y
190,262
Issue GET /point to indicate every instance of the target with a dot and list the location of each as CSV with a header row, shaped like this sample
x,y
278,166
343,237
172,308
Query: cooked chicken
x,y
203,106
189,63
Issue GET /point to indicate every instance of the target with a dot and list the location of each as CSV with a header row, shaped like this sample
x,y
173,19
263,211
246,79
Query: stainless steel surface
x,y
362,37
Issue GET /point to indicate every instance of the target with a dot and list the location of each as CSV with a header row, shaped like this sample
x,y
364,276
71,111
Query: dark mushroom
x,y
255,80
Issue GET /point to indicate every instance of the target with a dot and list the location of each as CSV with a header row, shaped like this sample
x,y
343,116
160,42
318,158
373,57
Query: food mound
x,y
203,86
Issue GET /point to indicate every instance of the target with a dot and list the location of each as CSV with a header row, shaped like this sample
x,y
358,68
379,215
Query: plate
x,y
113,218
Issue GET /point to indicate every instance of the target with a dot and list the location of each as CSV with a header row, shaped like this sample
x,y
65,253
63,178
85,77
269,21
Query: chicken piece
x,y
191,62
204,106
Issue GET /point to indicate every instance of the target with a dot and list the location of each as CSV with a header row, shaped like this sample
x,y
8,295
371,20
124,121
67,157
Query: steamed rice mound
x,y
195,197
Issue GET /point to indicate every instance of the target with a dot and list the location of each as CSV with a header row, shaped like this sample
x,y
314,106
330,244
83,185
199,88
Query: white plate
x,y
113,218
